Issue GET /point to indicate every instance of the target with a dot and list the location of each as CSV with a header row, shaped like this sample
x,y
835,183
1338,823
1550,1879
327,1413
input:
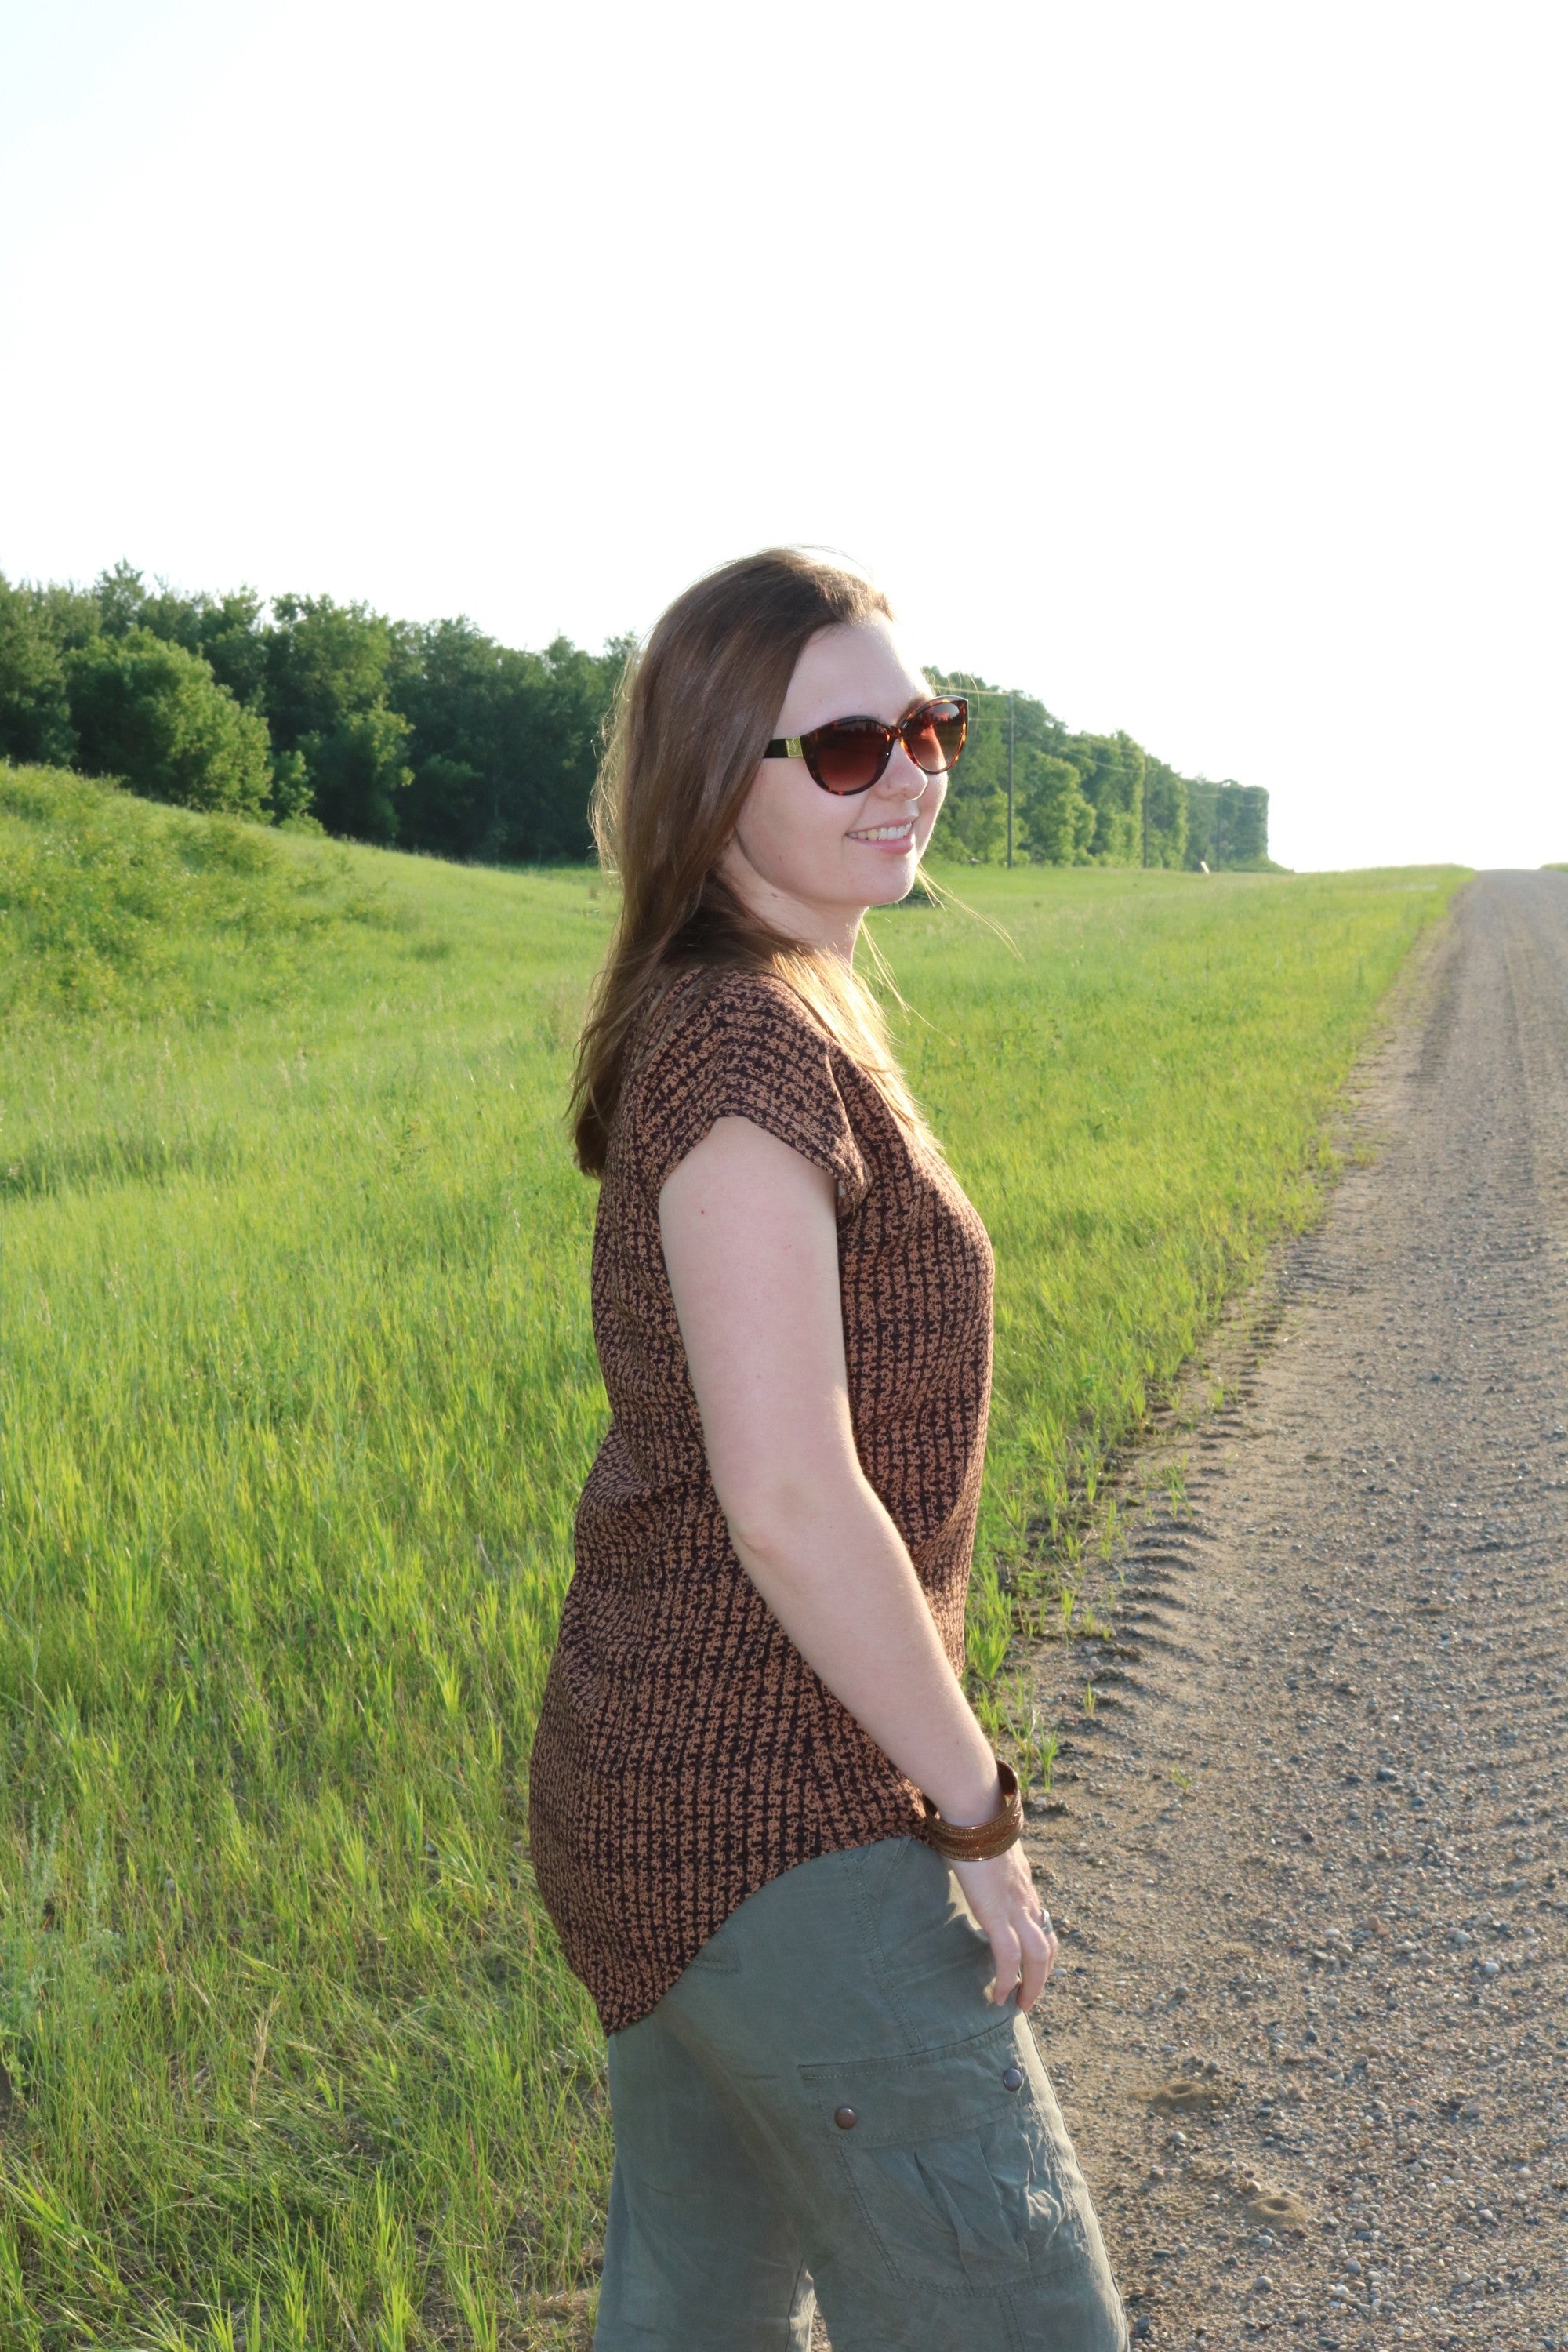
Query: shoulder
x,y
720,1001
741,1023
732,1043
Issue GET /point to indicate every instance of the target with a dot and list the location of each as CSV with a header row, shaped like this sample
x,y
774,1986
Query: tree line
x,y
1089,799
434,737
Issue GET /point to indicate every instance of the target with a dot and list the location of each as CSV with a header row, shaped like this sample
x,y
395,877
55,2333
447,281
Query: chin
x,y
897,885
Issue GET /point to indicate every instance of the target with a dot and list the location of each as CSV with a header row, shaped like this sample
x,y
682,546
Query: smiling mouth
x,y
887,832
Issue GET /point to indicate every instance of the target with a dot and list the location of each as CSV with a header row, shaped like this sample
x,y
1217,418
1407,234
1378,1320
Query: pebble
x,y
1409,2111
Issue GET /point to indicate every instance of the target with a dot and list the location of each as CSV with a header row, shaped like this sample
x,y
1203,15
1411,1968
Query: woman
x,y
773,1836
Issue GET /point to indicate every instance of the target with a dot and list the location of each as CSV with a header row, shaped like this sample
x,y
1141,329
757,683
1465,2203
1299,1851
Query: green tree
x,y
326,675
468,700
152,714
324,660
357,769
505,745
975,819
1228,825
293,794
1111,770
226,631
546,815
69,616
35,707
1055,822
975,815
119,596
1164,814
443,739
1242,830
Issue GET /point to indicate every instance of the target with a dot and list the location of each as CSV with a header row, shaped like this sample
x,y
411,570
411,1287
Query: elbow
x,y
773,1521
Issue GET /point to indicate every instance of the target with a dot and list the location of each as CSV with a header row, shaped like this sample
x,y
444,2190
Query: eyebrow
x,y
916,702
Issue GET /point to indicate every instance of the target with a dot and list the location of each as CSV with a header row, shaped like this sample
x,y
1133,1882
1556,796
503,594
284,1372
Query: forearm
x,y
751,1246
751,1242
834,1571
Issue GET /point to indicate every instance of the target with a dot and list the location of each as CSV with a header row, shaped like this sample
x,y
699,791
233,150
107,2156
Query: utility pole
x,y
1008,694
1012,743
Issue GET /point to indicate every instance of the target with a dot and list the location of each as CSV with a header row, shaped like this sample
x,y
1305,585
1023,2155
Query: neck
x,y
833,928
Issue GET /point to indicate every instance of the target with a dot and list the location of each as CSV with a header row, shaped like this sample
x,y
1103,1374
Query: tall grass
x,y
297,1390
1138,1106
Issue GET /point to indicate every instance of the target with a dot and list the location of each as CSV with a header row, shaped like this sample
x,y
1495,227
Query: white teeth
x,y
886,832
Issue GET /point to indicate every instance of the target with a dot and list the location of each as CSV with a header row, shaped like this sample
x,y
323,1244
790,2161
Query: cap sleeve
x,y
748,1049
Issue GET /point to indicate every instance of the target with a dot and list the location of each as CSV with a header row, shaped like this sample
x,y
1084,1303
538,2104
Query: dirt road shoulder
x,y
1309,2024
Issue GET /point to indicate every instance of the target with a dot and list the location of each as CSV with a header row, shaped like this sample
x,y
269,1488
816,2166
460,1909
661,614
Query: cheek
x,y
782,835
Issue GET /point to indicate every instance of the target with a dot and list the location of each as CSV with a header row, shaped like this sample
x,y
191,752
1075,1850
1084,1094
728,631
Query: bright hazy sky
x,y
1199,367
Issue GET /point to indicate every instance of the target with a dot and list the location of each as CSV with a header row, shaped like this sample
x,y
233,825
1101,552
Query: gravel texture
x,y
1310,2025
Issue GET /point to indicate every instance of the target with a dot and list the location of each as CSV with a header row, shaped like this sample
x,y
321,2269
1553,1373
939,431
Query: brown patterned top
x,y
685,1753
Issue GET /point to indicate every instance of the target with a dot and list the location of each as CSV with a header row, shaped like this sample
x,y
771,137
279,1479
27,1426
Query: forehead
x,y
860,672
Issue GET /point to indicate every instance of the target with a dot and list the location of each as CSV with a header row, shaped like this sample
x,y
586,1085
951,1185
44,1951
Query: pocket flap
x,y
927,2095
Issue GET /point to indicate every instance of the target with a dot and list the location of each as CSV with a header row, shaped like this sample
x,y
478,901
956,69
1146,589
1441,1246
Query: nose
x,y
901,779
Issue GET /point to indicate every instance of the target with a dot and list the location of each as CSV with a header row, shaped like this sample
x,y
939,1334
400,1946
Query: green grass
x,y
297,1390
1138,1109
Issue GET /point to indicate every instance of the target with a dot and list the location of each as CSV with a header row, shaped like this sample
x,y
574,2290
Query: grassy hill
x,y
296,1393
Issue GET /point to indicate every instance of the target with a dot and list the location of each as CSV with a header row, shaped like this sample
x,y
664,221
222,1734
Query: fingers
x,y
1006,1952
1024,1951
1037,1950
1049,1933
1004,1901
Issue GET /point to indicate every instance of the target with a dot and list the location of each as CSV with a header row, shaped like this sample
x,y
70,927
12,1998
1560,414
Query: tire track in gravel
x,y
1310,2022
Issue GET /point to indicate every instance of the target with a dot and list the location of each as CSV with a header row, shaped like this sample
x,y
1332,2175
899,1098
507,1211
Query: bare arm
x,y
751,1243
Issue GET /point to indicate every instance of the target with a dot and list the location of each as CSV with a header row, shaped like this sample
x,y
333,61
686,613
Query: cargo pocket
x,y
950,2156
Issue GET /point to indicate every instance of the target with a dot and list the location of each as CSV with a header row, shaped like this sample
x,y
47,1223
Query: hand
x,y
1002,1896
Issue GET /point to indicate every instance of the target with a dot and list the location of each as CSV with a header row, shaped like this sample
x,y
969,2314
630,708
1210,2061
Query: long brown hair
x,y
695,713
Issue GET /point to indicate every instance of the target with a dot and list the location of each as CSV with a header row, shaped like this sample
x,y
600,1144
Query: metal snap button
x,y
845,2118
1013,2080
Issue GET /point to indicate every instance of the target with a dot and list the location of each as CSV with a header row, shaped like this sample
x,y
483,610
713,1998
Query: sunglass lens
x,y
935,736
850,757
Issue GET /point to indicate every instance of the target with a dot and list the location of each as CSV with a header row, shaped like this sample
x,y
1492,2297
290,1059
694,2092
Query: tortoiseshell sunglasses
x,y
848,755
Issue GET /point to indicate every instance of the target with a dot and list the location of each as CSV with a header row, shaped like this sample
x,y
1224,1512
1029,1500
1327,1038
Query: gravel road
x,y
1311,2024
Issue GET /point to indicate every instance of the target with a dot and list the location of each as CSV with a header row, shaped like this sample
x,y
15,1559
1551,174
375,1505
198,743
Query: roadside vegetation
x,y
432,735
297,1389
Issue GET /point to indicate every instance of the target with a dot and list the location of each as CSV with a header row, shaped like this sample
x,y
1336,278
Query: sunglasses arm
x,y
784,746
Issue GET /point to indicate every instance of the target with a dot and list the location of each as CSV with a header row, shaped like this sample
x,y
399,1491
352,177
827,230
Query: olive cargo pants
x,y
824,2107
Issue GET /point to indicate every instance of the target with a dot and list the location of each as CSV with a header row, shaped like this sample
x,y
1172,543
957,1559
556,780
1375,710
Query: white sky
x,y
1197,367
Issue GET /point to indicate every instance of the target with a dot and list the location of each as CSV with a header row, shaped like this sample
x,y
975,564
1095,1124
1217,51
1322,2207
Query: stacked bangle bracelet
x,y
986,1839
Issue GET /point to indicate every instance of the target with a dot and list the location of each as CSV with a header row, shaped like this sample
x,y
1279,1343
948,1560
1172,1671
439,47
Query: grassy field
x,y
297,1389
